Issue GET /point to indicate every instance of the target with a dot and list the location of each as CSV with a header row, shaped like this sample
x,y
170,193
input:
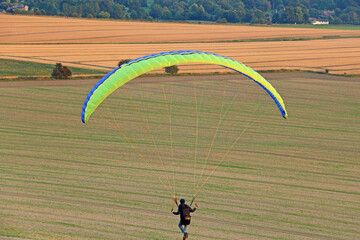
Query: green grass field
x,y
24,69
285,179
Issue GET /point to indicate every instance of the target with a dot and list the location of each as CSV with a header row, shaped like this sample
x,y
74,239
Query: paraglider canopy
x,y
128,71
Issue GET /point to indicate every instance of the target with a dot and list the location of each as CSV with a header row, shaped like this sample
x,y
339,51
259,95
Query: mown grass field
x,y
14,68
286,179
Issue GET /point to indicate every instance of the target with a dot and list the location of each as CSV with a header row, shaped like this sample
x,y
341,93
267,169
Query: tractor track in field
x,y
204,219
13,238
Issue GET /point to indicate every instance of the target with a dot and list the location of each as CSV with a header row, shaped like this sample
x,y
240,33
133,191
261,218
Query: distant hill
x,y
223,11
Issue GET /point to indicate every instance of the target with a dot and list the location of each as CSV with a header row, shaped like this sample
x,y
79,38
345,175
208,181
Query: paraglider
x,y
184,211
132,69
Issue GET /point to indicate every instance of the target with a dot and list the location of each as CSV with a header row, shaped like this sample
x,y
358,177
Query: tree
x,y
166,14
164,3
337,20
345,17
122,2
276,18
203,15
331,19
250,4
221,20
143,3
323,4
178,10
156,11
118,11
49,6
313,12
106,5
337,12
172,69
235,16
92,8
249,16
104,14
353,17
134,5
289,15
210,6
306,17
343,4
298,18
140,13
61,72
68,10
123,61
263,5
75,15
197,12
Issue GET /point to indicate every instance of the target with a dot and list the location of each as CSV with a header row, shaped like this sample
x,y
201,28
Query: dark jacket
x,y
184,210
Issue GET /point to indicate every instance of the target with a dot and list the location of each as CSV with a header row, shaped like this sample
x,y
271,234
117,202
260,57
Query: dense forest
x,y
221,11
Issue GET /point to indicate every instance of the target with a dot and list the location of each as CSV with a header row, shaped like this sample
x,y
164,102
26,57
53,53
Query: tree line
x,y
221,11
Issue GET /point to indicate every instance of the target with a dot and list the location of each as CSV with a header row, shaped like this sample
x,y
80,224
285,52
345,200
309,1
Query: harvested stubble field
x,y
337,55
112,41
286,179
32,29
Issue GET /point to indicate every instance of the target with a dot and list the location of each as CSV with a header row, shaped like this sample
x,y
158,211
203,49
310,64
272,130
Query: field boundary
x,y
99,76
163,78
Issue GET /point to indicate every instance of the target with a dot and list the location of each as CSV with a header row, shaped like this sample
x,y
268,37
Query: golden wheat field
x,y
74,35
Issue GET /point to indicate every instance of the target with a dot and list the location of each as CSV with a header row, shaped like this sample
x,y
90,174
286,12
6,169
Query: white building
x,y
315,21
